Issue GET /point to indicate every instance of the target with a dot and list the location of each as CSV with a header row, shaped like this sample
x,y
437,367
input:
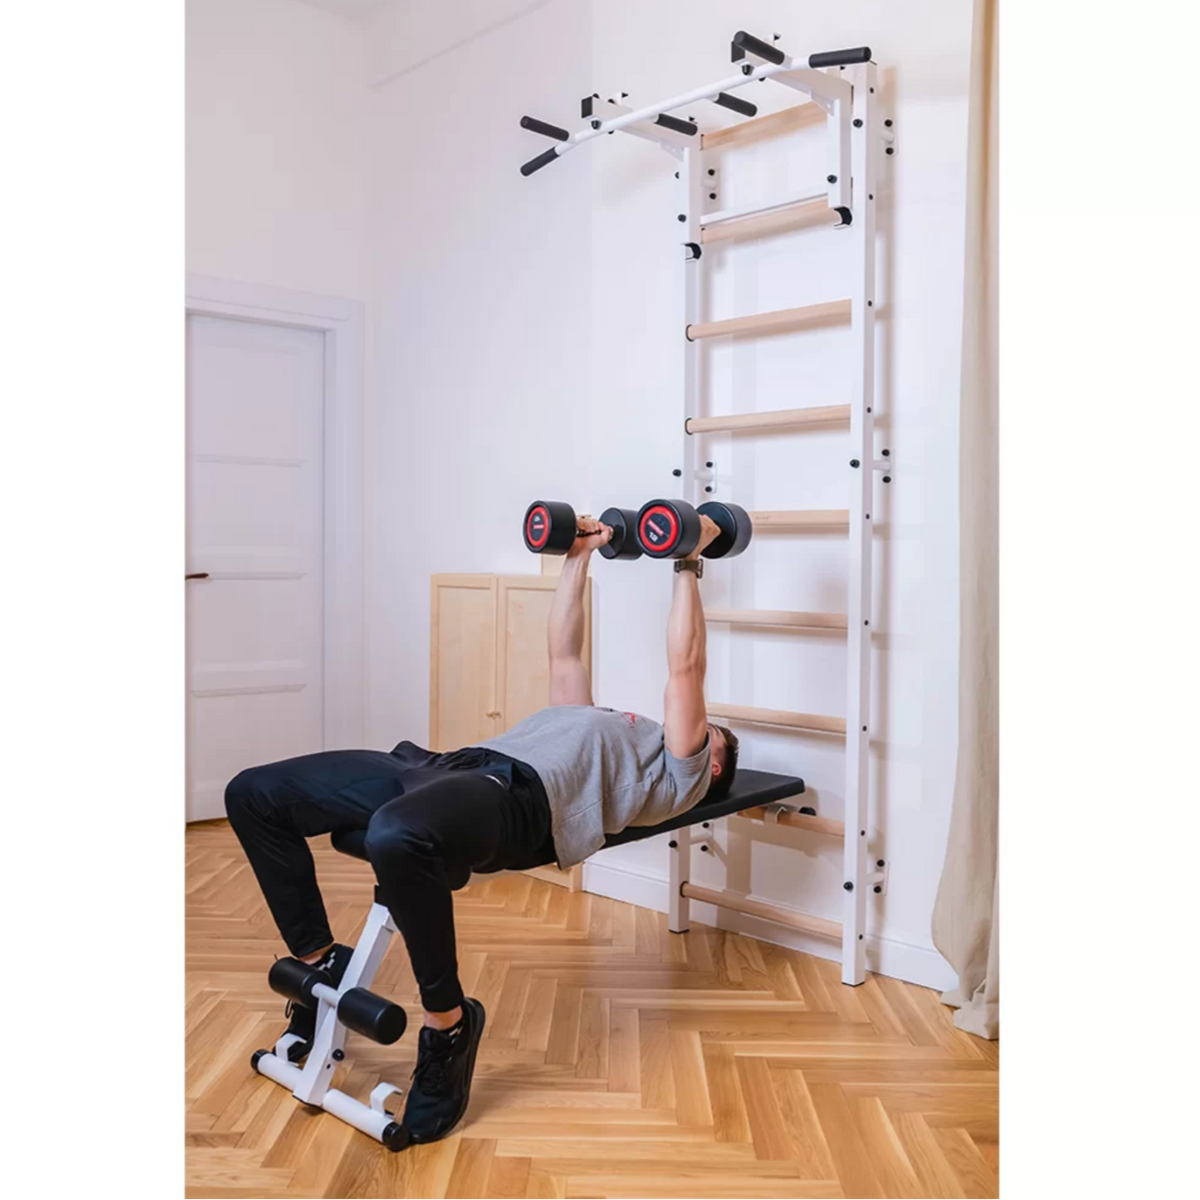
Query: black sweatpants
x,y
431,819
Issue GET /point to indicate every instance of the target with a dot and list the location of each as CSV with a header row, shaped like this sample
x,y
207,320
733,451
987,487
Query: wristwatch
x,y
695,565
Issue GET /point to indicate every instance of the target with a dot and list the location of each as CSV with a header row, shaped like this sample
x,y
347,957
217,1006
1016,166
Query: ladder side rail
x,y
864,149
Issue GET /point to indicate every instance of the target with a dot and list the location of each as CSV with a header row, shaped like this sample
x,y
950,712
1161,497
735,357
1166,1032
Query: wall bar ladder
x,y
840,86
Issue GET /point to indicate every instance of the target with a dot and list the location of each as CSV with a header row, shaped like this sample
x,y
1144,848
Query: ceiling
x,y
353,10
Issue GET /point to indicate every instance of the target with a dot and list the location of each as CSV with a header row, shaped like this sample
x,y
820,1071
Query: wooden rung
x,y
799,116
760,908
806,215
834,312
767,616
775,716
800,821
784,418
815,518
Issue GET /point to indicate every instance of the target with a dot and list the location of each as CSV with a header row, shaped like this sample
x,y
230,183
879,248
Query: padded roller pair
x,y
358,1009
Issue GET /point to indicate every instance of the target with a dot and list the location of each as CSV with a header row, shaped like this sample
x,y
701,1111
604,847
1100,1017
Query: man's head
x,y
723,744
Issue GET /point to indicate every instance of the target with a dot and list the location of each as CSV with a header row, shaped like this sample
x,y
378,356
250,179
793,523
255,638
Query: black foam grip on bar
x,y
536,164
840,58
545,129
735,104
743,42
676,124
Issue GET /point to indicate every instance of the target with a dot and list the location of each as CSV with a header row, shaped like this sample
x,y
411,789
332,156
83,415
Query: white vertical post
x,y
864,148
691,193
678,905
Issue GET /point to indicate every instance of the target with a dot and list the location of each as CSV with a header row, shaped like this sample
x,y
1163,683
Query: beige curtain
x,y
966,912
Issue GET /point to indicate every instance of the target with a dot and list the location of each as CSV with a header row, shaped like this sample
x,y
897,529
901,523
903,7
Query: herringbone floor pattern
x,y
620,1060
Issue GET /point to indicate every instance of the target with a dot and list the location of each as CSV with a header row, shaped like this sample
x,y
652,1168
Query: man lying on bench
x,y
549,789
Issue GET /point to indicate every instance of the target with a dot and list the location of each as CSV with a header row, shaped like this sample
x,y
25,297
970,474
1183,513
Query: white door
x,y
255,402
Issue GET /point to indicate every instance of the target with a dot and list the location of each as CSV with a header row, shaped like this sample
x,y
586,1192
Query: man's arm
x,y
685,722
569,682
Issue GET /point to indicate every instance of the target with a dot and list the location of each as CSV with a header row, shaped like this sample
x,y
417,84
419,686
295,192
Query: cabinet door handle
x,y
197,575
492,714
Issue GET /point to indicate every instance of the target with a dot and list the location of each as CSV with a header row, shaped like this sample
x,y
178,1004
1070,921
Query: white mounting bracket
x,y
887,135
596,111
877,880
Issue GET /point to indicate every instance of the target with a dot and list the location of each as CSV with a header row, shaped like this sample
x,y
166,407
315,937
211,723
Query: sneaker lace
x,y
429,1075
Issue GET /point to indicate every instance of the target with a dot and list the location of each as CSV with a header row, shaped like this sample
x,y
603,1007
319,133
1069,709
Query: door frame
x,y
343,325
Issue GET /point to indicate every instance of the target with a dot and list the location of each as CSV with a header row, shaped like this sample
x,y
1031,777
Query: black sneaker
x,y
303,1019
441,1082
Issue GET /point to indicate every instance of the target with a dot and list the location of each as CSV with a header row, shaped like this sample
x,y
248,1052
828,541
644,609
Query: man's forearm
x,y
687,634
565,639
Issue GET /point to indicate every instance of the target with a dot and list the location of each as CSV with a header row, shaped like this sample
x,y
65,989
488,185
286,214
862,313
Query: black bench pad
x,y
750,788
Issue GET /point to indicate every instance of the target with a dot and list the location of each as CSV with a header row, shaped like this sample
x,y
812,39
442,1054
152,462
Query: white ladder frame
x,y
855,139
858,147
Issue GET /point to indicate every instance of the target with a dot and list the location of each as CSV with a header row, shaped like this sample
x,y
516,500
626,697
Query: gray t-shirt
x,y
603,771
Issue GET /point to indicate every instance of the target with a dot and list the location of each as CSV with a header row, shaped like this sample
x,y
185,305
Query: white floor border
x,y
898,960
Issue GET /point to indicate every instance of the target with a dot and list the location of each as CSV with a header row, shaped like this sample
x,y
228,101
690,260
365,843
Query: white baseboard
x,y
898,960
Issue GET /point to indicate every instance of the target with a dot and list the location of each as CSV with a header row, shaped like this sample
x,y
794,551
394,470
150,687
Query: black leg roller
x,y
358,1009
371,1015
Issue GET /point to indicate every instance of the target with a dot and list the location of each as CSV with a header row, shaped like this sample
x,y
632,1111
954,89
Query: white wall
x,y
277,130
484,300
278,192
528,345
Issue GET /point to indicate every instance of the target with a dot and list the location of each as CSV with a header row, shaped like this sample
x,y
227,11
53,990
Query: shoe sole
x,y
478,1009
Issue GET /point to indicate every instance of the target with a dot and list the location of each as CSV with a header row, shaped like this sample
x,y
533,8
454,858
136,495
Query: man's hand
x,y
599,535
709,532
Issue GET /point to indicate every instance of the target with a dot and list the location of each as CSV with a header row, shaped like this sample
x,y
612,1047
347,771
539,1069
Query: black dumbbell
x,y
551,527
671,528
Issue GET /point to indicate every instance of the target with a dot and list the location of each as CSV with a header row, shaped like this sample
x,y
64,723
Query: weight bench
x,y
351,1007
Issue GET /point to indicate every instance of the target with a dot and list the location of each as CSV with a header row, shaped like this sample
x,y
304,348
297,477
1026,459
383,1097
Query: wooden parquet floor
x,y
620,1060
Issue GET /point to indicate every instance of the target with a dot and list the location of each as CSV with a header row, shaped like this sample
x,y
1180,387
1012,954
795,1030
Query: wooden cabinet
x,y
488,668
462,661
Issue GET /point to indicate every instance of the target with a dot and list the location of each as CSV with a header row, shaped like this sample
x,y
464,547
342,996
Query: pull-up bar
x,y
772,63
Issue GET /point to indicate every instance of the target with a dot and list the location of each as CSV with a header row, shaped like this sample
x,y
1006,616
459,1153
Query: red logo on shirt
x,y
632,718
